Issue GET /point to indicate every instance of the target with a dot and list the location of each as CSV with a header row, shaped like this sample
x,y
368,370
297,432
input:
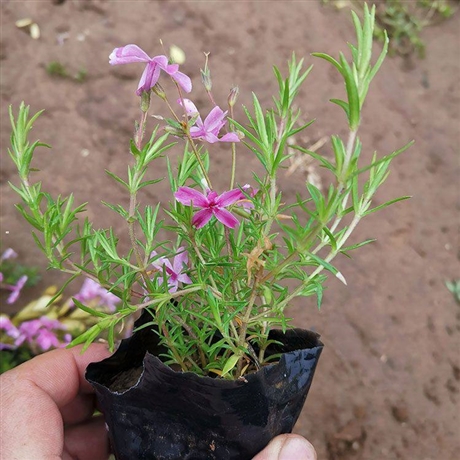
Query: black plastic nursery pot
x,y
153,412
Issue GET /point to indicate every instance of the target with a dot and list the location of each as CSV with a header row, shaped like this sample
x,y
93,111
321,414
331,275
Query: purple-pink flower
x,y
132,53
14,288
10,330
210,204
174,270
8,254
41,332
208,130
91,290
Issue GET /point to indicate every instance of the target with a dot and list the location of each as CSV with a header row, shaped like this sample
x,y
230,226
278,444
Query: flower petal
x,y
8,326
183,81
230,197
173,286
214,119
230,137
8,254
162,61
190,107
226,217
184,278
149,78
190,196
197,133
201,218
210,137
180,260
127,55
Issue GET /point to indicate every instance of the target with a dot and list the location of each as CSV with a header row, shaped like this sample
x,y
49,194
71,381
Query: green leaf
x,y
384,159
61,289
329,59
319,294
301,128
324,263
358,245
342,104
230,364
332,240
118,179
352,93
88,310
388,203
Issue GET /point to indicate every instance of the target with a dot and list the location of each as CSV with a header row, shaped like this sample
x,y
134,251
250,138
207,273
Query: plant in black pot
x,y
213,368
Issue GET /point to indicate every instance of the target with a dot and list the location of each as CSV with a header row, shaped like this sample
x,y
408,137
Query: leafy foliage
x,y
242,278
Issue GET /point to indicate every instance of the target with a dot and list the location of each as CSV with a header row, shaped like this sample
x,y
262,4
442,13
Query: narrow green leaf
x,y
117,179
342,104
329,59
88,310
384,159
388,203
324,263
301,128
358,245
230,364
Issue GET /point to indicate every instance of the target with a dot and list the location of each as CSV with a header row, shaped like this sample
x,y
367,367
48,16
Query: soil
x,y
388,383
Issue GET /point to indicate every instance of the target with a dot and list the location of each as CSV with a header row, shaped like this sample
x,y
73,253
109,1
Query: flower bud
x,y
206,78
233,96
145,101
174,131
159,91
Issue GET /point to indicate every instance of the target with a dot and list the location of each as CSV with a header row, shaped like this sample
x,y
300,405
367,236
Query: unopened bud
x,y
206,75
233,96
206,79
159,91
174,131
145,101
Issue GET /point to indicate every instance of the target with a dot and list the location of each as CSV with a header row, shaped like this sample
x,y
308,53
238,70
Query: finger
x,y
80,409
60,373
87,441
31,425
288,447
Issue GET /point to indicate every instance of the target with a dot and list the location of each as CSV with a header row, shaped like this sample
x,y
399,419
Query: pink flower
x,y
91,290
132,53
174,270
41,332
210,128
10,330
15,289
8,254
212,204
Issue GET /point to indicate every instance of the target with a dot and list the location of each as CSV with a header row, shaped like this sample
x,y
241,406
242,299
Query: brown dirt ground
x,y
388,383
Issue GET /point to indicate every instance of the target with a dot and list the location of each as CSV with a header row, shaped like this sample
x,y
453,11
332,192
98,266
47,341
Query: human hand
x,y
288,447
47,409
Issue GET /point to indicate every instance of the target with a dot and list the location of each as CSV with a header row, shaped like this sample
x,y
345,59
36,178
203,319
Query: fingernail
x,y
297,449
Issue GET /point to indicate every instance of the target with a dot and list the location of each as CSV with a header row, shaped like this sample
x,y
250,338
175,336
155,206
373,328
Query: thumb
x,y
288,447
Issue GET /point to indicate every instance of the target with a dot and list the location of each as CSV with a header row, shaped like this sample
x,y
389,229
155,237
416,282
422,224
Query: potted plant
x,y
214,368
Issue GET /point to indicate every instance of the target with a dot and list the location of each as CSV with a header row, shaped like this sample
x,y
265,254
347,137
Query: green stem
x,y
139,135
232,180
